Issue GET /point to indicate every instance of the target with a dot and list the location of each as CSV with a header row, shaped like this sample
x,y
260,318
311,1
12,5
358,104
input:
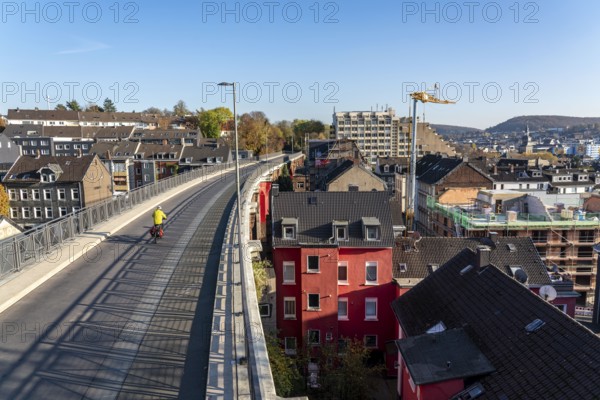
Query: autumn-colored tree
x,y
180,109
4,204
2,124
91,107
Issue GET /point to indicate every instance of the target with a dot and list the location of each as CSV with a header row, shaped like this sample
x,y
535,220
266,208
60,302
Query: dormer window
x,y
386,168
340,230
289,228
371,228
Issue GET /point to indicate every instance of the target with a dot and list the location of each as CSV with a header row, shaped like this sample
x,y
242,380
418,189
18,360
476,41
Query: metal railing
x,y
33,246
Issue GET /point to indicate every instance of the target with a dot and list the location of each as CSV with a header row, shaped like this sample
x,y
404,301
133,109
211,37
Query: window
x,y
289,272
371,309
314,337
265,310
61,194
26,213
24,194
75,194
62,211
370,340
14,212
35,194
342,273
313,264
314,301
289,232
37,212
371,273
138,171
49,213
372,233
12,194
289,308
290,346
52,178
343,308
75,209
47,194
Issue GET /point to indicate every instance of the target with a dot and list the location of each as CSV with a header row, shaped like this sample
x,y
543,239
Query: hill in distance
x,y
451,130
541,122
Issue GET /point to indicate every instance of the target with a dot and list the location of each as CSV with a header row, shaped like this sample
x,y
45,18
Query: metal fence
x,y
34,245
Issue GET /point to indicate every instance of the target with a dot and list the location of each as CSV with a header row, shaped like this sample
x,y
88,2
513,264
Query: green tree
x,y
211,121
4,203
261,277
285,180
60,107
109,106
288,135
180,109
153,110
73,105
286,376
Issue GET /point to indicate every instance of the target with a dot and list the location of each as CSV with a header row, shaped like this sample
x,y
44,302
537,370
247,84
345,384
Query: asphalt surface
x,y
130,320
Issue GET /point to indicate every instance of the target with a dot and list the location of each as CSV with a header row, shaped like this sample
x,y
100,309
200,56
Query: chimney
x,y
483,257
512,169
495,169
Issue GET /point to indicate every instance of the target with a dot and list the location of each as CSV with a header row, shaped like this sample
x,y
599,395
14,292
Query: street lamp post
x,y
237,173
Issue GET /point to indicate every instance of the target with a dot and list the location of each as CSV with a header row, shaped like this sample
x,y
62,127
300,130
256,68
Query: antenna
x,y
548,293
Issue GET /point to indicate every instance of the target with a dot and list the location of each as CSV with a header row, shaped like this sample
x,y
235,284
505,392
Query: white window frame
x,y
313,308
24,194
35,194
343,264
290,351
313,271
261,309
14,212
343,317
344,229
49,212
62,211
51,178
75,194
287,265
370,300
13,194
47,194
61,194
25,213
288,300
371,264
292,228
37,212
372,227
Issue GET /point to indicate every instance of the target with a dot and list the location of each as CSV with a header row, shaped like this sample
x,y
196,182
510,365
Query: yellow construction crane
x,y
423,97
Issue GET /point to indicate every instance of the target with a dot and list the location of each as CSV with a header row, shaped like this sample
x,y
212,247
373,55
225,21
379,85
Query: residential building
x,y
382,133
43,188
394,171
469,331
8,228
118,158
9,152
416,259
82,118
349,176
332,254
176,136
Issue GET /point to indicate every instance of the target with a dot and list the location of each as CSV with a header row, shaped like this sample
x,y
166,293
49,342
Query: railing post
x,y
17,255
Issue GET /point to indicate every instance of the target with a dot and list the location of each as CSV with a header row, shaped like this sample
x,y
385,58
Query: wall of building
x,y
356,176
97,184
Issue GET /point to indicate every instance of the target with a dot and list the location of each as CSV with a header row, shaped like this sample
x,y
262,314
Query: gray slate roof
x,y
315,220
439,250
26,168
559,361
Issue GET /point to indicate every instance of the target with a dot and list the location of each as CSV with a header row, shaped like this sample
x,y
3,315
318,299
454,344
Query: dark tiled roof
x,y
396,210
558,361
517,162
431,171
442,356
506,176
200,154
26,168
315,220
339,170
151,150
439,250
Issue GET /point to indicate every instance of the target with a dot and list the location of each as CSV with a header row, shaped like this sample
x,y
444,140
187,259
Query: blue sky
x,y
300,59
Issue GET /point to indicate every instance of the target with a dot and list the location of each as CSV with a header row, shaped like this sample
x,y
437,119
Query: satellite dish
x,y
547,293
521,276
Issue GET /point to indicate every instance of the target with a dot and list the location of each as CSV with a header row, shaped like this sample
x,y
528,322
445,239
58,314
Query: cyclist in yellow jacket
x,y
158,216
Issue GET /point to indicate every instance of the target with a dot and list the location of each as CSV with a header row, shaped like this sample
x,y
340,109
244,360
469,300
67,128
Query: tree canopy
x,y
211,121
180,109
73,105
109,106
4,204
